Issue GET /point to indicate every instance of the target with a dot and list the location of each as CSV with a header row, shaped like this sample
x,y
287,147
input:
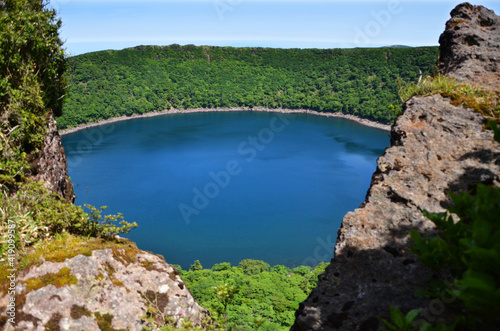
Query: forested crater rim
x,y
359,120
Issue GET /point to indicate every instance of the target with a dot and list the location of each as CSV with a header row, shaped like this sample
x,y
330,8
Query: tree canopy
x,y
252,295
32,64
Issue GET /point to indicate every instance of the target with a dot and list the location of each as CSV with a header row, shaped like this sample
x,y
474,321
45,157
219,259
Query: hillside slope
x,y
361,82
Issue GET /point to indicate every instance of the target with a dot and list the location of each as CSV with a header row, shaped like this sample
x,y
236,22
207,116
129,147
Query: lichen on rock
x,y
116,287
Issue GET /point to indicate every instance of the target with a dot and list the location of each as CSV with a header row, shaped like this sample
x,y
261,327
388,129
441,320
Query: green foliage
x,y
252,296
32,63
196,266
303,270
469,249
401,322
361,82
32,85
38,213
225,293
253,267
493,126
157,321
221,266
97,226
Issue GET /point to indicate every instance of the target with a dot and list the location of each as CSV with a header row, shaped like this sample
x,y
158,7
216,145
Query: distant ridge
x,y
397,46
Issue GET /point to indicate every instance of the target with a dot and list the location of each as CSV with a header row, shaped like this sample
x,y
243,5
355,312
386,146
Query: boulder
x,y
117,287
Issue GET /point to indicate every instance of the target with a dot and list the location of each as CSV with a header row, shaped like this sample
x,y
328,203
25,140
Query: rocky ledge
x,y
117,287
436,147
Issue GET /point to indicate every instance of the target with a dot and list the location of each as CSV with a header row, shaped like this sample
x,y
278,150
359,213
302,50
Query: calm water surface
x,y
227,186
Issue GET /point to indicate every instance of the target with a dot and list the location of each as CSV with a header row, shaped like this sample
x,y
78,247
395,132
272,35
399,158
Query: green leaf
x,y
412,314
415,236
426,327
389,325
481,231
422,293
397,316
478,280
496,130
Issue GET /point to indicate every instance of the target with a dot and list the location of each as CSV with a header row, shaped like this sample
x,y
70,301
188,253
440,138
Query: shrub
x,y
221,266
38,213
253,267
469,249
32,86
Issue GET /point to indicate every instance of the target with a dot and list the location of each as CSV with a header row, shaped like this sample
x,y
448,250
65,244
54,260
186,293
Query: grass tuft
x,y
480,99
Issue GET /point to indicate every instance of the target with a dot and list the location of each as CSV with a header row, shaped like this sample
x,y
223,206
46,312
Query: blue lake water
x,y
227,186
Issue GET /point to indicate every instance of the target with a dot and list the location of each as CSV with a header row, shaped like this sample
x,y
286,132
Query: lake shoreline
x,y
353,118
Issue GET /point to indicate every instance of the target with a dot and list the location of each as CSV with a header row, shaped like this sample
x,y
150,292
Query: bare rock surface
x,y
436,147
470,46
111,289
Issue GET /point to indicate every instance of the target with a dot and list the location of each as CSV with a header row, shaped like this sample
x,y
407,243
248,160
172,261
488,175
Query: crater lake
x,y
227,186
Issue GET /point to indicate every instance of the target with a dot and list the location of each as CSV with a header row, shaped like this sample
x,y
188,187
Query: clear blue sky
x,y
91,25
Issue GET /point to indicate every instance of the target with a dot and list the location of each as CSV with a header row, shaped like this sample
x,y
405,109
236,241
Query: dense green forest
x,y
252,295
362,82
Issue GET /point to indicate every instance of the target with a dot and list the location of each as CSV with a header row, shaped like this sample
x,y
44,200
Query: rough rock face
x,y
436,147
470,45
109,290
51,165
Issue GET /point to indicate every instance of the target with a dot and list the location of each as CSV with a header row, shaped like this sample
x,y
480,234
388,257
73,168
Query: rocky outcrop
x,y
114,288
470,45
436,147
50,165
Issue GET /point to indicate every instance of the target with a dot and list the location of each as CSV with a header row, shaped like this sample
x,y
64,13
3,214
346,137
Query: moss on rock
x,y
79,311
60,279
